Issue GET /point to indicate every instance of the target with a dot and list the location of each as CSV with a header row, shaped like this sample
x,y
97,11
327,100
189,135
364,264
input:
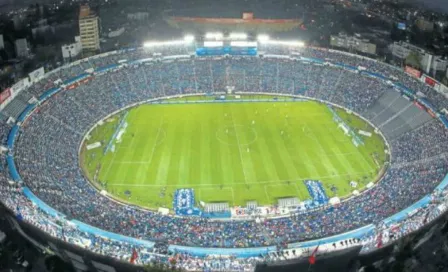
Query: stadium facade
x,y
51,203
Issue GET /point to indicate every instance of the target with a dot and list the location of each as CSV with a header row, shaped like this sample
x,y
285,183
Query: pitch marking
x,y
244,183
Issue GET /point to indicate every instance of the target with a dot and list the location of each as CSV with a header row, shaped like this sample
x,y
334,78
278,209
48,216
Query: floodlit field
x,y
232,152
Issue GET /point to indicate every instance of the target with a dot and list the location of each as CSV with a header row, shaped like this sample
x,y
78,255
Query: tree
x,y
413,60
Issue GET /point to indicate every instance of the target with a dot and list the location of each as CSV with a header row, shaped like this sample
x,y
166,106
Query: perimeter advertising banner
x,y
431,82
5,95
419,105
413,72
37,74
19,86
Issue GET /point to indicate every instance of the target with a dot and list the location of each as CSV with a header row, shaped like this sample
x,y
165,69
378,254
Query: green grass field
x,y
232,152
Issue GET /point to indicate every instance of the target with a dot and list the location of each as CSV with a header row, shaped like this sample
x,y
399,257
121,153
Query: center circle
x,y
241,135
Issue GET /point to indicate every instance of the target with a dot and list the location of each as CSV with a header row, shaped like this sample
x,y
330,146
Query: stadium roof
x,y
247,23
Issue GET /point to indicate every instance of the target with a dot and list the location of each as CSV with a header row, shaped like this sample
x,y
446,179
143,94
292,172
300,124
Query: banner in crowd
x,y
316,191
413,72
184,201
37,74
5,95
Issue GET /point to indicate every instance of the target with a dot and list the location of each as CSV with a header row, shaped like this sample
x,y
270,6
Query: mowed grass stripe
x,y
162,165
330,150
353,163
186,153
250,143
195,158
224,151
148,144
283,156
267,160
205,166
241,139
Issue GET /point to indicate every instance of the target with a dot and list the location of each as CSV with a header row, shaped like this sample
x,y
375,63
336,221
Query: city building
x,y
428,61
138,16
424,24
17,21
89,29
22,49
355,43
70,51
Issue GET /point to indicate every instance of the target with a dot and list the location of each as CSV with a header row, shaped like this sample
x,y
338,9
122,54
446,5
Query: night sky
x,y
441,5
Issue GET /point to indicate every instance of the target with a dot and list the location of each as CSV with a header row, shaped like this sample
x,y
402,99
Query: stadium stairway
x,y
15,108
395,115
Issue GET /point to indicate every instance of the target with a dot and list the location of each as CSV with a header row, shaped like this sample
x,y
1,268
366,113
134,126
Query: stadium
x,y
220,154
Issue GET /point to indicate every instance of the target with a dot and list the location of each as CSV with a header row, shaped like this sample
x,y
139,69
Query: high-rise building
x,y
70,51
89,29
22,48
355,43
428,61
2,43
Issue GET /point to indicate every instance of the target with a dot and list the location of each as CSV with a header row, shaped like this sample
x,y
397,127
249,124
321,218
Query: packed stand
x,y
46,153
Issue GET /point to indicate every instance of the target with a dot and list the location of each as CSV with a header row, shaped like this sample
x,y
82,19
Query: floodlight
x,y
295,43
213,44
238,36
263,38
214,35
148,44
166,43
243,44
188,38
287,43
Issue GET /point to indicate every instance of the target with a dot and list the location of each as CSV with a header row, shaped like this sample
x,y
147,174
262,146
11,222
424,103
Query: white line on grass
x,y
297,189
131,162
110,165
117,147
244,183
155,142
239,147
267,195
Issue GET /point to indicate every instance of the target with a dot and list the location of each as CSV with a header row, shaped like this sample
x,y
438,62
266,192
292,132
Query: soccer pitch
x,y
229,152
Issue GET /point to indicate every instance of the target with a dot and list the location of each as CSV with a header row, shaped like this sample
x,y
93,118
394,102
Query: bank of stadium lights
x,y
243,44
214,36
288,43
213,44
166,43
237,36
262,38
187,40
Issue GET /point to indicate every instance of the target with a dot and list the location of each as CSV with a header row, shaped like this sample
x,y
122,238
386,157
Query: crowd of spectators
x,y
46,151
